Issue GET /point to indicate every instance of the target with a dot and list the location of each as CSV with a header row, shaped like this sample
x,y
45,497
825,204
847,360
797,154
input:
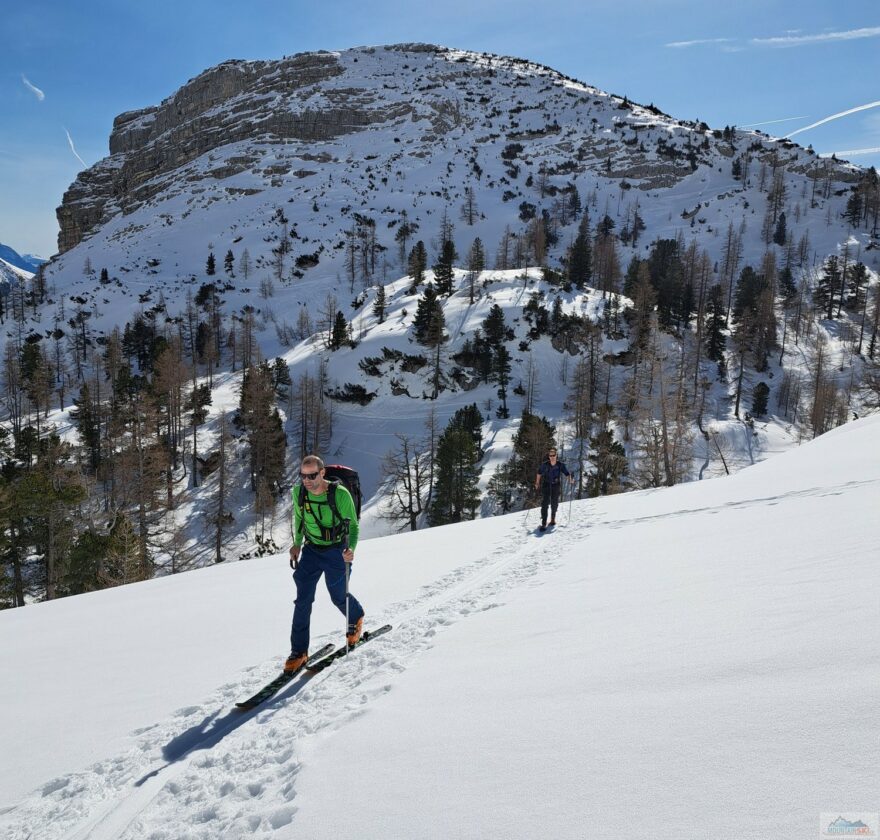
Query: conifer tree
x,y
533,438
281,380
495,327
779,234
427,311
857,286
456,490
405,230
418,262
443,272
580,269
476,264
85,562
787,287
379,305
827,284
715,325
340,331
610,467
85,418
853,212
760,397
501,377
260,418
211,264
470,420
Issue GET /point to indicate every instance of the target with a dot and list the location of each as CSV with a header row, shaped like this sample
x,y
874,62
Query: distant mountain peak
x,y
26,262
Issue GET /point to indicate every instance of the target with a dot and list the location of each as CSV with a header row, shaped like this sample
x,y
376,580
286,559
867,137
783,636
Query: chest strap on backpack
x,y
336,533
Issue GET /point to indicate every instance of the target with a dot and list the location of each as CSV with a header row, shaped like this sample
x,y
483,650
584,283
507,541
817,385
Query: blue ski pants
x,y
314,562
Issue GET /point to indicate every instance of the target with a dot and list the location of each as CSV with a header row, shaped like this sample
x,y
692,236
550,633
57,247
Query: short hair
x,y
313,459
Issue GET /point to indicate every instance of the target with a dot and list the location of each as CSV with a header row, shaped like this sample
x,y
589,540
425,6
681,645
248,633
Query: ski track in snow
x,y
226,780
199,757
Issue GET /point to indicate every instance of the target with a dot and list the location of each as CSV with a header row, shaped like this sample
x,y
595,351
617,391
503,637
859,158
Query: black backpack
x,y
336,474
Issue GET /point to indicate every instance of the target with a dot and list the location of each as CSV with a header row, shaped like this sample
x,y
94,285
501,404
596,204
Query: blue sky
x,y
67,69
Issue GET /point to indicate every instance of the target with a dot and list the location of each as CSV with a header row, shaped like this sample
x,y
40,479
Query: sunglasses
x,y
309,476
551,454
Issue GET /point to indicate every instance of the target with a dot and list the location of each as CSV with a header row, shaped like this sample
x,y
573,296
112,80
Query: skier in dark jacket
x,y
548,481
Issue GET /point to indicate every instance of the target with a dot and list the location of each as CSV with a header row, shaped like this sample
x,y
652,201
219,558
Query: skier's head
x,y
311,471
551,454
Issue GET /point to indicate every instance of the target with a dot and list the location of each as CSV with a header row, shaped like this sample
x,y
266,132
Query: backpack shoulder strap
x,y
331,499
302,508
340,525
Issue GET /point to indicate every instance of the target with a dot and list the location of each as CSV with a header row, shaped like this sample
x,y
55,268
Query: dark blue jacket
x,y
550,474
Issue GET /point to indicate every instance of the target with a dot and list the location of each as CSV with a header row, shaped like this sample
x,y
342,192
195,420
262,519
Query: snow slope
x,y
694,661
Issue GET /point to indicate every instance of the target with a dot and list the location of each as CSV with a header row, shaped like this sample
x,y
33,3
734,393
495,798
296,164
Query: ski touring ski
x,y
314,667
279,682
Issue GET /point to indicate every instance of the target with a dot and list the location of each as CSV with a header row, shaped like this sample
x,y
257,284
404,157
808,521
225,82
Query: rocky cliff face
x,y
235,101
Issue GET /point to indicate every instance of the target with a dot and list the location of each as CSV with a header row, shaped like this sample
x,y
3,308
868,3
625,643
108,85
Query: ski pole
x,y
347,576
347,579
570,500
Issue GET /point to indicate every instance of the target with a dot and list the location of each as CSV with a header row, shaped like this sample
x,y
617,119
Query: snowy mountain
x,y
26,262
299,152
692,661
15,270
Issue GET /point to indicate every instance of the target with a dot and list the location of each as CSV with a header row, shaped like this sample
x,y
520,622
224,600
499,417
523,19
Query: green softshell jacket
x,y
322,511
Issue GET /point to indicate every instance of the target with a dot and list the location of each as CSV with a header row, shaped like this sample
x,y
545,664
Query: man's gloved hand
x,y
294,556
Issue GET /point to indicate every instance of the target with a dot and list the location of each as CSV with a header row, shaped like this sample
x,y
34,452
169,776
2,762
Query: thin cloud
x,y
73,148
33,88
852,153
835,117
822,37
770,122
698,42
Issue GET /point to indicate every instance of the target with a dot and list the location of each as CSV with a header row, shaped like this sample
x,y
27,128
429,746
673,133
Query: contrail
x,y
73,148
852,152
33,88
770,122
835,117
697,42
823,37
